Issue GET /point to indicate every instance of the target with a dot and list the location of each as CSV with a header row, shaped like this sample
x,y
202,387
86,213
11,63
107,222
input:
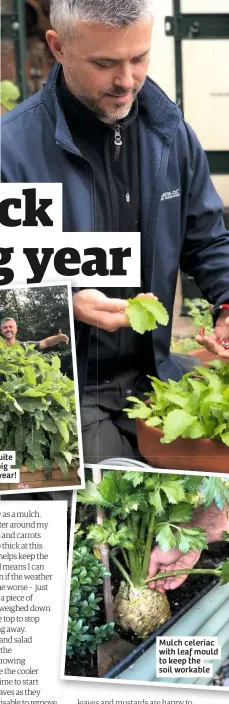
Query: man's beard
x,y
93,104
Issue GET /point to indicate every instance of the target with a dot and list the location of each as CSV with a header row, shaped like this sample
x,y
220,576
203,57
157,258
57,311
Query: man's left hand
x,y
62,337
218,341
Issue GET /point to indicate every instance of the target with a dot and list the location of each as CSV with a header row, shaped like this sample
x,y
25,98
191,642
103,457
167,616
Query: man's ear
x,y
55,44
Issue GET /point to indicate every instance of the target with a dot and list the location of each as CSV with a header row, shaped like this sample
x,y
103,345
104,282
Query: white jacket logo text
x,y
171,194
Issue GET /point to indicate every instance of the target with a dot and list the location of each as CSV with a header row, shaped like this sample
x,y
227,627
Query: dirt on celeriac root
x,y
141,611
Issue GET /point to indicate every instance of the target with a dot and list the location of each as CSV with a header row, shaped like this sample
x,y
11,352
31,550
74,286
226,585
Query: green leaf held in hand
x,y
145,313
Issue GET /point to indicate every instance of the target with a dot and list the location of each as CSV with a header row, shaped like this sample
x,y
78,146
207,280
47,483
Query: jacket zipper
x,y
118,144
118,141
111,187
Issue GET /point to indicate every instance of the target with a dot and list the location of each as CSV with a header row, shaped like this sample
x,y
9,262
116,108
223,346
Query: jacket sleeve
x,y
205,251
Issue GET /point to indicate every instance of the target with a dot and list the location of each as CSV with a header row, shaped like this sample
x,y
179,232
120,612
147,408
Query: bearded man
x,y
128,161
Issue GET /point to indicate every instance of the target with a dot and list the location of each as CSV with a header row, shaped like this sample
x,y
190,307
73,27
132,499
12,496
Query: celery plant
x,y
142,510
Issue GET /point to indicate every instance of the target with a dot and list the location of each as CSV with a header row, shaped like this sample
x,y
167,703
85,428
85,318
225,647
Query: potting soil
x,y
221,679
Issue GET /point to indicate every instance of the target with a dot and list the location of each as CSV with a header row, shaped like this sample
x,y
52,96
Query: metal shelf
x,y
206,26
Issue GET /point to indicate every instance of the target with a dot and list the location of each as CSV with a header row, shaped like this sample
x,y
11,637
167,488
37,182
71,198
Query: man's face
x,y
9,330
105,67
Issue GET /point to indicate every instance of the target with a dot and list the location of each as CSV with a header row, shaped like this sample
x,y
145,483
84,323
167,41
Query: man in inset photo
x,y
9,332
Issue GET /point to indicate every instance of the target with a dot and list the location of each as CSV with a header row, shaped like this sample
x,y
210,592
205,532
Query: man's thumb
x,y
153,565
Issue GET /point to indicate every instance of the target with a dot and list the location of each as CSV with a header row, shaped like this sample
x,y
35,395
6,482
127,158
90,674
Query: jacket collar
x,y
162,114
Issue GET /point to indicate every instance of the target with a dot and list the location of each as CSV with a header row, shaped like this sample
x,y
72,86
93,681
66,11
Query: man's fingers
x,y
111,305
211,344
163,585
110,321
154,562
199,339
160,586
152,585
222,323
147,295
154,568
215,347
176,582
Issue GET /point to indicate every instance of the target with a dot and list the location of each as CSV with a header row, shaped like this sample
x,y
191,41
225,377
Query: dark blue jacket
x,y
182,216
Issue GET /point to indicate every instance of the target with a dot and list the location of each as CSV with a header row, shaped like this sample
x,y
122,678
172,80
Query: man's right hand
x,y
214,521
94,308
167,562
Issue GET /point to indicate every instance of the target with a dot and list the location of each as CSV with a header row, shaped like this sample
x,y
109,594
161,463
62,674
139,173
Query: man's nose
x,y
124,78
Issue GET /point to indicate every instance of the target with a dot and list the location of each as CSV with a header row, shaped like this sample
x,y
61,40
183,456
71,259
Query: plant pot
x,y
201,455
206,615
36,480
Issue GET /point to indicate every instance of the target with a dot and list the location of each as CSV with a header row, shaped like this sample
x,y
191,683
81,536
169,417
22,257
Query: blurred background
x,y
189,60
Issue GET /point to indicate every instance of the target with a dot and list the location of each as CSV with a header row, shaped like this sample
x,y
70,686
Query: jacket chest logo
x,y
168,195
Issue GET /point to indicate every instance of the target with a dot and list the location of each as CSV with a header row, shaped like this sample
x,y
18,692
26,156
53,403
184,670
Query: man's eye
x,y
139,59
102,65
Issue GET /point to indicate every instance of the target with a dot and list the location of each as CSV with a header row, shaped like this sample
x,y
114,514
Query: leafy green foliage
x,y
173,488
176,423
195,407
215,489
9,94
169,536
144,314
181,513
84,631
183,345
90,495
143,509
165,537
111,533
201,313
37,409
